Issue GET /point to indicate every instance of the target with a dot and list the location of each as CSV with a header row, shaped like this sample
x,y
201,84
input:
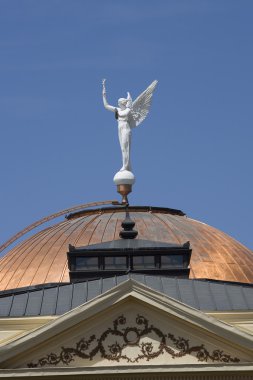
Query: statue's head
x,y
122,102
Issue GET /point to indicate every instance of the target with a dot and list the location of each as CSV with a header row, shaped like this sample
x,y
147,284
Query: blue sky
x,y
59,145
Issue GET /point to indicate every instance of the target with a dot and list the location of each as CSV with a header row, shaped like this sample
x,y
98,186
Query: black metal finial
x,y
128,224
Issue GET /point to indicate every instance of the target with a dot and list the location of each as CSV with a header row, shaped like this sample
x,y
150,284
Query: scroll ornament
x,y
111,345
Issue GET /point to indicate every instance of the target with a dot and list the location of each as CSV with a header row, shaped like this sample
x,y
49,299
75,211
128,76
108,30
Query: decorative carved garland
x,y
131,336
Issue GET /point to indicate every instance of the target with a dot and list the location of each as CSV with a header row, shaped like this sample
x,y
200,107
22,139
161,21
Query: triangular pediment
x,y
129,325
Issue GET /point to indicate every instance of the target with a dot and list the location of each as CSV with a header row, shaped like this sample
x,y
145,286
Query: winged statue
x,y
129,114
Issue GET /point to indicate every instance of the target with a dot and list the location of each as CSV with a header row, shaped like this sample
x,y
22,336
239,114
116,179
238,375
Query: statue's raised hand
x,y
103,84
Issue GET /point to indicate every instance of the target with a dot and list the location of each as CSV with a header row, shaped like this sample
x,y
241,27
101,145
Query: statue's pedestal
x,y
124,180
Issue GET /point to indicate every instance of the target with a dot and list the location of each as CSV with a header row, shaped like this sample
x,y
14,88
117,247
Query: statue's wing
x,y
131,120
141,105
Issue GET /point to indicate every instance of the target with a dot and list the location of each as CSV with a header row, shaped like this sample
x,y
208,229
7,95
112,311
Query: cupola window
x,y
144,262
86,263
124,256
115,262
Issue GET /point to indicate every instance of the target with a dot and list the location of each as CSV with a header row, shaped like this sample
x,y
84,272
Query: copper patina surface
x,y
42,257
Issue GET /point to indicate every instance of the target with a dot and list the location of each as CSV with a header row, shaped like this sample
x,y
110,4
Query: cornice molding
x,y
172,372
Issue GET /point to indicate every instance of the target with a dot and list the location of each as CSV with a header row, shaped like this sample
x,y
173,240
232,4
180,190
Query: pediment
x,y
129,325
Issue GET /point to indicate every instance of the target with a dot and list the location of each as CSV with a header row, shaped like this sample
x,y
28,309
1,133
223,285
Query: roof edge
x,y
161,210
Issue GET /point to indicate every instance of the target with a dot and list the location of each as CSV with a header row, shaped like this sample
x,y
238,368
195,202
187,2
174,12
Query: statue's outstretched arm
x,y
107,106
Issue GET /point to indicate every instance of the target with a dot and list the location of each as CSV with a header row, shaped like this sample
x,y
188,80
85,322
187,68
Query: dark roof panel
x,y
120,279
49,301
236,297
220,296
5,305
138,277
79,294
187,293
151,282
108,283
94,288
19,305
202,295
34,303
248,295
64,301
170,288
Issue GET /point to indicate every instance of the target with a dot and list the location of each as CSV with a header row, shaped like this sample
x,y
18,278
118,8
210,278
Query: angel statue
x,y
129,115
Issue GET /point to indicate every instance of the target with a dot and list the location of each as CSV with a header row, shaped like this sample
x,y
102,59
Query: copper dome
x,y
42,258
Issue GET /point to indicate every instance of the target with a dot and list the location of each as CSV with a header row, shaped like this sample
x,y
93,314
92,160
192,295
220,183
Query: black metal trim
x,y
162,210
